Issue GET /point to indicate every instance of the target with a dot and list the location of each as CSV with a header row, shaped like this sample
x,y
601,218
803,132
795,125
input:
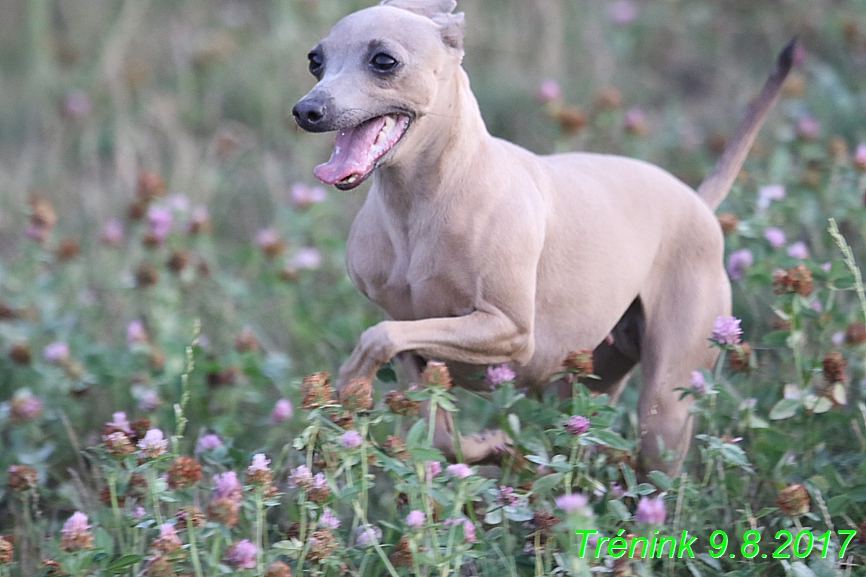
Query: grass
x,y
194,320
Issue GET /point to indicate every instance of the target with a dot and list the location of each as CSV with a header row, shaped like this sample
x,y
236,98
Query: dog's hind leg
x,y
679,320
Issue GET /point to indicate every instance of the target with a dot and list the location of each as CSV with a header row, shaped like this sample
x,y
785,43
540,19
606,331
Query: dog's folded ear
x,y
427,8
440,11
451,26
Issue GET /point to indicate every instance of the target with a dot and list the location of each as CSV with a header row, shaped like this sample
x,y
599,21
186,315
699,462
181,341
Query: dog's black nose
x,y
309,113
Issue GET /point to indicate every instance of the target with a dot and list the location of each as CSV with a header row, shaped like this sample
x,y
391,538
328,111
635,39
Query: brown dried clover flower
x,y
226,376
571,119
105,497
436,374
67,249
177,261
117,443
837,148
190,515
21,478
357,395
168,541
793,500
623,566
289,274
796,280
75,370
199,222
855,333
607,98
139,427
149,185
740,357
859,163
401,556
319,491
834,367
159,566
293,531
150,240
136,210
76,534
322,545
203,269
136,486
225,510
246,341
53,568
183,472
729,221
146,275
400,404
278,569
544,521
811,177
271,245
156,359
263,478
7,313
315,390
344,420
260,477
24,406
20,353
396,447
634,122
42,213
579,362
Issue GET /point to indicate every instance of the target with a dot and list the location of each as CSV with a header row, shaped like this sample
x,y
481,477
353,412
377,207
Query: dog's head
x,y
378,73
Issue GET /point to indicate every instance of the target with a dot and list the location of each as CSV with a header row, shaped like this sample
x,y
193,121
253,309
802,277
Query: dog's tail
x,y
715,187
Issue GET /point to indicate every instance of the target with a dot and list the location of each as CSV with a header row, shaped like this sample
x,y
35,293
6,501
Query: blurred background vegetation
x,y
105,102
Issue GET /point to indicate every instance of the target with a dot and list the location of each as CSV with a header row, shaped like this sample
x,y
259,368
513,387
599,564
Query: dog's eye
x,y
383,62
316,63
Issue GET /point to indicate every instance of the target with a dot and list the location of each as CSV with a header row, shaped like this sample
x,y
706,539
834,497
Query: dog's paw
x,y
486,446
508,450
376,345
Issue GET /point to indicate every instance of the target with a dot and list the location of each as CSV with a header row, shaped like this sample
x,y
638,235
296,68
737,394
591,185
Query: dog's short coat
x,y
484,253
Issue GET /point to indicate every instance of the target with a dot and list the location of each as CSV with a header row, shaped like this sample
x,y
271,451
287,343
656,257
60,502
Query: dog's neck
x,y
451,136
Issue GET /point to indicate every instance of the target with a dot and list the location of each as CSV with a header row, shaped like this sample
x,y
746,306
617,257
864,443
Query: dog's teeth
x,y
390,122
352,178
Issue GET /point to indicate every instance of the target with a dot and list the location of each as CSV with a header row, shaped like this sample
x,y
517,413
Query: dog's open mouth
x,y
357,150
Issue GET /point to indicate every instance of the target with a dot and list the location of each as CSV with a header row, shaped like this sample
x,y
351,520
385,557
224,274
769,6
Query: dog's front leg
x,y
477,338
488,444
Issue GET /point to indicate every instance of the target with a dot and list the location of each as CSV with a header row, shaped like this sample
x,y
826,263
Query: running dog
x,y
484,253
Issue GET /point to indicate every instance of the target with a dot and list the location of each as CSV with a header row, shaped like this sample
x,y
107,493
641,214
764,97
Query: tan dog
x,y
484,253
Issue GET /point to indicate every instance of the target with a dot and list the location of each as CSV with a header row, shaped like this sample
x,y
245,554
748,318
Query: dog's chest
x,y
409,279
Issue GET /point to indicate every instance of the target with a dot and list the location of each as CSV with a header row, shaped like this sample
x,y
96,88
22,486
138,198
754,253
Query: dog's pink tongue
x,y
351,152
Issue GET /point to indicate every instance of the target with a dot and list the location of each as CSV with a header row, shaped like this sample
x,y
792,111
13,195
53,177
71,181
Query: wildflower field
x,y
173,297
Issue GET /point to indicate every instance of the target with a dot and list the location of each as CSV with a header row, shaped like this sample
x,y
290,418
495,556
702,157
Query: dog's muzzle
x,y
311,113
